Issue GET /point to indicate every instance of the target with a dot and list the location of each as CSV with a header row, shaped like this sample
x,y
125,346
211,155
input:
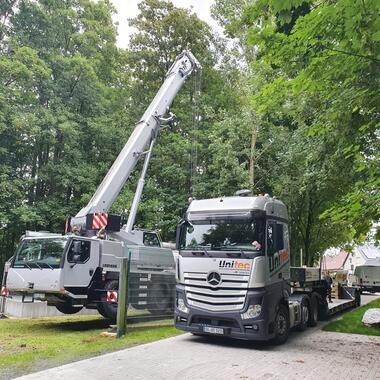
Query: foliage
x,y
315,75
290,108
351,323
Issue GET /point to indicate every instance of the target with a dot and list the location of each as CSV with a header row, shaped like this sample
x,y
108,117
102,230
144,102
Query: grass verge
x,y
30,345
351,322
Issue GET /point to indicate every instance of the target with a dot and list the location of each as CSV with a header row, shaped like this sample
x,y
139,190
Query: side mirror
x,y
178,237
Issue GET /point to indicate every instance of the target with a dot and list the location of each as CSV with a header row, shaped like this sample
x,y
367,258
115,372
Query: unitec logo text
x,y
234,264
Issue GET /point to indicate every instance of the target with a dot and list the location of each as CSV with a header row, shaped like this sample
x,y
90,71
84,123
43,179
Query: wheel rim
x,y
281,324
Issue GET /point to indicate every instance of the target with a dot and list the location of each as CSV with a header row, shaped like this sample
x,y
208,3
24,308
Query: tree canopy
x,y
289,107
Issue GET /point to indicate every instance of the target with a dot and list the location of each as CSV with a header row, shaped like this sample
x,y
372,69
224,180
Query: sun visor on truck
x,y
244,216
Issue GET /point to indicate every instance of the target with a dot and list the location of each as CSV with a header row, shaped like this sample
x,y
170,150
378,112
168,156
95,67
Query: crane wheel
x,y
68,308
108,309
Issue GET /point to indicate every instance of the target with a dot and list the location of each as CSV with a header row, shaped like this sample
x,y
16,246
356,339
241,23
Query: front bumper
x,y
233,326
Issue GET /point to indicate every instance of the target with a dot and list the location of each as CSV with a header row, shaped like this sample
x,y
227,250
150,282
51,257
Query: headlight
x,y
181,305
252,312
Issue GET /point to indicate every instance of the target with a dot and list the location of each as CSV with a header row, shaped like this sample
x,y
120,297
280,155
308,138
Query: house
x,y
362,255
348,261
333,263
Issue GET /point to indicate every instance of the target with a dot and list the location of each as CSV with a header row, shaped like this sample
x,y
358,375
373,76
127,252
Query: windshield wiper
x,y
240,252
27,266
204,250
49,266
38,265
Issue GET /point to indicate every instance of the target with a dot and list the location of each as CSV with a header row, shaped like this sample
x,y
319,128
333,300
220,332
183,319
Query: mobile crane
x,y
78,269
234,275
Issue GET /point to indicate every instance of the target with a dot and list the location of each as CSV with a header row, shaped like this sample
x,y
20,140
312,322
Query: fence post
x,y
122,298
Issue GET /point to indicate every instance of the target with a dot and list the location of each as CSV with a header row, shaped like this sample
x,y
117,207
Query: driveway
x,y
312,354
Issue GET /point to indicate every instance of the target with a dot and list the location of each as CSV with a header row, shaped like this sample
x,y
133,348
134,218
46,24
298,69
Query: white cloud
x,y
128,9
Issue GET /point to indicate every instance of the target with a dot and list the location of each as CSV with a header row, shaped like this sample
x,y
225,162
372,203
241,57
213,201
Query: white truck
x,y
78,269
367,276
234,277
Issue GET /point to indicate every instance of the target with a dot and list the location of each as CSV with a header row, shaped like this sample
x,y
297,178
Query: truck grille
x,y
228,296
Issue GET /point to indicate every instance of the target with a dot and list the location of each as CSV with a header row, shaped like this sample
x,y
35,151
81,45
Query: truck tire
x,y
159,298
313,315
305,314
68,308
323,310
108,309
281,325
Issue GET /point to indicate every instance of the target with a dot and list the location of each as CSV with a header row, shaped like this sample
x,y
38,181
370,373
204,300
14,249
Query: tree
x,y
60,95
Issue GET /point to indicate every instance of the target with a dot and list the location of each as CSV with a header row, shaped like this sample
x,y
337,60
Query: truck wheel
x,y
323,310
313,315
281,325
305,314
158,298
109,309
68,308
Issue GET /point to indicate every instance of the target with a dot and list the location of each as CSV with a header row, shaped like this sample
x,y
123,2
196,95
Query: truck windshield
x,y
223,235
40,253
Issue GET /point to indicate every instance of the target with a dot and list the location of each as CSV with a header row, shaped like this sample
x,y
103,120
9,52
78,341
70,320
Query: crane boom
x,y
146,130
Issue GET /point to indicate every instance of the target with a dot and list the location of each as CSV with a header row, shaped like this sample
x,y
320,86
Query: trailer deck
x,y
349,298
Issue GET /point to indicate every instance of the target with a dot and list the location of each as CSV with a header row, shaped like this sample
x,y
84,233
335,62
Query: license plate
x,y
213,330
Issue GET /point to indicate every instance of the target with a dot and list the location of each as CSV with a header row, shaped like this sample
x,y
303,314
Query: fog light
x,y
181,305
252,312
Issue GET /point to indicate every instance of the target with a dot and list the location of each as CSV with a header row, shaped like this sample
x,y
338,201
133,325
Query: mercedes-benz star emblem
x,y
214,278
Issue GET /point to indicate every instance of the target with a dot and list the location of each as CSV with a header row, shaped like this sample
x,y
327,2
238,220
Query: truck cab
x,y
233,266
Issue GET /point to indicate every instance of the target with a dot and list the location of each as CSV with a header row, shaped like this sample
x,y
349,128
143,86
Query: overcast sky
x,y
128,9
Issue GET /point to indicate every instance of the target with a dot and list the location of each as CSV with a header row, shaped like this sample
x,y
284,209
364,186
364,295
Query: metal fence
x,y
143,296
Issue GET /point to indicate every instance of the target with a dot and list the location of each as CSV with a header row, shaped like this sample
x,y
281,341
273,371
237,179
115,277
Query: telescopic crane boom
x,y
145,131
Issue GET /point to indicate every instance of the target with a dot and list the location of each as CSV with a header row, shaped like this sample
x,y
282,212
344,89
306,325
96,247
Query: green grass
x,y
29,345
351,323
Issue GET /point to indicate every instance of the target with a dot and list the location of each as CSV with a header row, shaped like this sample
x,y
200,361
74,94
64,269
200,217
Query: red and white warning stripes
x,y
99,220
112,295
4,291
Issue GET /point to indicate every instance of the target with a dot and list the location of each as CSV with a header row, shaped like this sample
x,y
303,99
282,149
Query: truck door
x,y
277,251
81,260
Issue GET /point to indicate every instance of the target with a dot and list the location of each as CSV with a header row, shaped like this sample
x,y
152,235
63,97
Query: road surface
x,y
312,354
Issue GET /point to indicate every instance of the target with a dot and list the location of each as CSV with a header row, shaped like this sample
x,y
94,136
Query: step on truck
x,y
234,277
81,268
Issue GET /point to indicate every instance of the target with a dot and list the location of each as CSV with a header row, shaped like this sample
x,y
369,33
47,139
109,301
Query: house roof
x,y
369,252
336,262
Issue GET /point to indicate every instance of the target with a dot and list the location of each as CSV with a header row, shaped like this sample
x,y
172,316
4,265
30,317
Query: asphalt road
x,y
312,354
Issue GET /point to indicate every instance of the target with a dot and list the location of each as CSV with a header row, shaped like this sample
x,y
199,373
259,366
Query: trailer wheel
x,y
281,325
313,315
305,314
68,308
357,298
158,298
108,309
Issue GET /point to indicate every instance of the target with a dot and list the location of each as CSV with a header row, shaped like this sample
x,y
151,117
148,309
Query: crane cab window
x,y
79,251
151,240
